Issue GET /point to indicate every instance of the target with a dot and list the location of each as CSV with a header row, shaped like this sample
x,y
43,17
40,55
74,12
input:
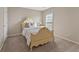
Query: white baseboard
x,y
17,34
65,38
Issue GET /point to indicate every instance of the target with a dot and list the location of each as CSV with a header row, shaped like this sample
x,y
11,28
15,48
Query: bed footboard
x,y
42,37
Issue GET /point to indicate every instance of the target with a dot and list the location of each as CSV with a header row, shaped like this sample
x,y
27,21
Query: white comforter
x,y
27,33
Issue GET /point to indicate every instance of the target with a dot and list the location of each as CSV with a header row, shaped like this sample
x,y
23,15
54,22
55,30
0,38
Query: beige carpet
x,y
18,44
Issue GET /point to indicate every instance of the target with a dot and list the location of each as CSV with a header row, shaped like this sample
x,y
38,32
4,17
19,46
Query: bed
x,y
37,35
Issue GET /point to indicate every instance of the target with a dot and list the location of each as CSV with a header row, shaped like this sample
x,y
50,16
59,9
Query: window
x,y
49,21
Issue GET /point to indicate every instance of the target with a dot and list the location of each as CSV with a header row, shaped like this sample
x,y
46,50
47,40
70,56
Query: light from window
x,y
49,21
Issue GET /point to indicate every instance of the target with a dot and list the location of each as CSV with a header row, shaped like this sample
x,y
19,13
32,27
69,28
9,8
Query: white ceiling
x,y
38,8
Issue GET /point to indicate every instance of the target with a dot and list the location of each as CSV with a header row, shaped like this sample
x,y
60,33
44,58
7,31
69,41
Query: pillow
x,y
26,25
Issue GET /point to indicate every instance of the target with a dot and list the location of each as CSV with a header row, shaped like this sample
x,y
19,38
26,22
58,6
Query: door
x,y
1,26
5,22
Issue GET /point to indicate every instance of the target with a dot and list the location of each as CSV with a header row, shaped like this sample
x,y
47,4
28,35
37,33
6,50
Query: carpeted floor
x,y
18,44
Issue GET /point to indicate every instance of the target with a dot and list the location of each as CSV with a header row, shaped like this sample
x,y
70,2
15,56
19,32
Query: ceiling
x,y
38,8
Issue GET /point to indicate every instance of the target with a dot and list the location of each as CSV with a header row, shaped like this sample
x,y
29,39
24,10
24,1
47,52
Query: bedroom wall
x,y
66,23
16,15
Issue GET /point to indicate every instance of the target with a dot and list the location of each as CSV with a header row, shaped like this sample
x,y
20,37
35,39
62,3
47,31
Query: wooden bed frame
x,y
42,37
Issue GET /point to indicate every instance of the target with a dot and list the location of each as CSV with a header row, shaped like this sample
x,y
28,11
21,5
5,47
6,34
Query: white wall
x,y
16,16
66,23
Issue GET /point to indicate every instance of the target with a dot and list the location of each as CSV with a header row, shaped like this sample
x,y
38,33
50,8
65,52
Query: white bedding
x,y
27,33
